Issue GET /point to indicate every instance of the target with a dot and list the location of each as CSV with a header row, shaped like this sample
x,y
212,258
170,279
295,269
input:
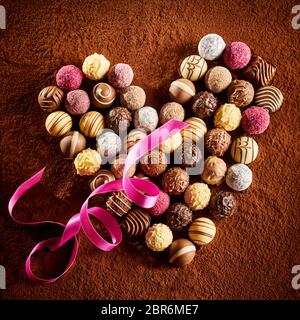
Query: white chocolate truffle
x,y
211,46
239,177
108,144
146,119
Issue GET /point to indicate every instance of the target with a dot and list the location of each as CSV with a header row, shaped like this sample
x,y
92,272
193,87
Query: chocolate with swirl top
x,y
101,178
136,222
260,72
240,92
103,95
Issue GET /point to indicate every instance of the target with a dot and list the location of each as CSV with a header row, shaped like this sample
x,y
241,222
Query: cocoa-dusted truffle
x,y
133,98
217,141
222,205
217,79
118,203
119,119
170,111
178,216
240,93
204,104
214,170
175,181
154,163
188,154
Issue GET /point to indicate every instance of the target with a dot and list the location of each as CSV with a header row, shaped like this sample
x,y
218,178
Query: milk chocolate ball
x,y
204,104
217,141
103,95
133,98
171,111
240,93
217,79
214,170
181,252
71,144
175,181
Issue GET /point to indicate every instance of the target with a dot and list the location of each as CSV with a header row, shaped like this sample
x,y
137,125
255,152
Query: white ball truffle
x,y
146,118
239,177
211,46
108,144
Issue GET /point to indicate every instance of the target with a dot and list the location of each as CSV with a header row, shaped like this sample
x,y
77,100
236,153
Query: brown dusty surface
x,y
253,253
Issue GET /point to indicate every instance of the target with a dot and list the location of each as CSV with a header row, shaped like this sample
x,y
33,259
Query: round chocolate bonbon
x,y
91,124
244,150
72,143
58,123
182,252
50,99
193,68
103,95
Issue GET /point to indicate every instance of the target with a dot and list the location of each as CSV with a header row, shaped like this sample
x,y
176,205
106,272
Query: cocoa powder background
x,y
253,253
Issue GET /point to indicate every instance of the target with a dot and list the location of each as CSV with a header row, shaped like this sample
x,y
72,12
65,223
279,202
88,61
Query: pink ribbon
x,y
142,192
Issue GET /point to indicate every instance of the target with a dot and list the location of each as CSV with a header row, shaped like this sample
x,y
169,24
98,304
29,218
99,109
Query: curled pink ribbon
x,y
142,192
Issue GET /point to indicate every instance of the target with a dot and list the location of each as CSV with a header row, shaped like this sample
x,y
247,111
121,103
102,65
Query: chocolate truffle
x,y
146,119
69,78
196,130
188,155
222,205
103,95
239,177
77,102
255,120
211,46
260,72
159,237
171,111
91,124
133,137
102,177
118,204
172,143
244,150
182,90
161,205
228,117
87,162
237,55
58,123
197,196
182,252
51,98
214,171
204,104
118,165
217,79
71,144
133,98
119,119
120,75
192,68
175,181
95,66
108,144
202,231
240,93
217,141
269,98
154,163
136,222
178,216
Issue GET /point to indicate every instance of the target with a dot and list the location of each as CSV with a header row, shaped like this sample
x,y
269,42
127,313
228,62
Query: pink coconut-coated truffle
x,y
255,120
77,102
69,77
120,75
237,55
161,205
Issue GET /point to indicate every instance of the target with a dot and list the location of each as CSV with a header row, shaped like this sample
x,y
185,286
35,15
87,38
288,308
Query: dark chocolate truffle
x,y
223,205
240,93
118,203
178,216
217,141
175,181
204,104
154,163
119,119
71,144
50,98
136,222
188,154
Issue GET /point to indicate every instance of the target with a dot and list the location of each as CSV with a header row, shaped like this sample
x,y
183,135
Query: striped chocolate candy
x,y
193,68
136,222
50,98
196,130
182,252
269,98
260,72
244,150
182,90
118,203
202,231
73,143
58,123
91,124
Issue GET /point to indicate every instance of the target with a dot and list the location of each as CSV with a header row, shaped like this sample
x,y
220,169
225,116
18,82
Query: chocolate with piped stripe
x,y
202,231
50,98
58,123
102,177
136,222
182,252
118,203
196,130
71,144
269,97
244,150
91,124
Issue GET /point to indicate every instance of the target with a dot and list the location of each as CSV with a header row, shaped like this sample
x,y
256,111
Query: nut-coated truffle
x,y
222,205
217,79
188,155
58,123
204,104
175,181
182,252
159,237
202,231
120,75
154,163
161,205
178,216
146,119
171,111
77,102
197,196
118,165
102,177
182,90
71,144
237,55
50,99
95,66
228,117
214,170
108,144
118,204
87,162
239,177
69,77
133,98
103,95
240,93
255,120
119,119
217,141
